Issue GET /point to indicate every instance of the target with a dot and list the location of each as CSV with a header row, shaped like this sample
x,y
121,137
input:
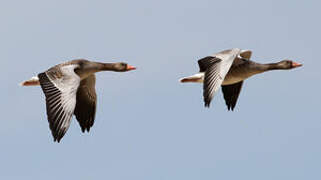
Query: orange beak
x,y
294,64
129,67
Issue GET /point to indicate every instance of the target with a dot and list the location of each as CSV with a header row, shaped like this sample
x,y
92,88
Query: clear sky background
x,y
149,126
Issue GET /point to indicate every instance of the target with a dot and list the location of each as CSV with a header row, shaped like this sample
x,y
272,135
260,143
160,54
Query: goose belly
x,y
232,79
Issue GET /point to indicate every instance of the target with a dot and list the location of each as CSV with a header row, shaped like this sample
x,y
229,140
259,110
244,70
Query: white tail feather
x,y
196,78
34,81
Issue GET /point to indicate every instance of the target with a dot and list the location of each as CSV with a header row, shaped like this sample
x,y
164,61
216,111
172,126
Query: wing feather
x,y
60,92
231,94
211,83
216,69
206,62
86,103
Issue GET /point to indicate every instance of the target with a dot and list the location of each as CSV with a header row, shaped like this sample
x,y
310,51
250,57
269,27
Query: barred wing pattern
x,y
216,69
212,81
60,91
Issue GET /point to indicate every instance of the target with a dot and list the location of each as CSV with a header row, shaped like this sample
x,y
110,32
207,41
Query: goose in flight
x,y
229,69
69,89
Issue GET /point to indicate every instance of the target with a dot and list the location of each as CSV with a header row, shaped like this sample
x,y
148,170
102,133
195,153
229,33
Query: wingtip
x,y
230,108
56,140
233,107
84,129
59,139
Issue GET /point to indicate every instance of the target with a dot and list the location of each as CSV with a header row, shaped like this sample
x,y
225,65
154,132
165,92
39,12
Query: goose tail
x,y
196,78
34,81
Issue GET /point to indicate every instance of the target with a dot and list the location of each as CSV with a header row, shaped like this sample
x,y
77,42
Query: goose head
x,y
288,64
122,67
92,67
86,68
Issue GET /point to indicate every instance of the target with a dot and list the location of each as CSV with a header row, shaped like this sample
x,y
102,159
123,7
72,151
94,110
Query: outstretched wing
x,y
206,62
86,103
60,87
231,94
216,70
212,82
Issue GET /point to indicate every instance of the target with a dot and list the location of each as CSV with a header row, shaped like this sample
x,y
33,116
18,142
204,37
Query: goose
x,y
228,69
69,89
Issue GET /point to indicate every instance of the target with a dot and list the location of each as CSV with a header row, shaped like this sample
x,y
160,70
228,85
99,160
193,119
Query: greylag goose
x,y
229,69
69,89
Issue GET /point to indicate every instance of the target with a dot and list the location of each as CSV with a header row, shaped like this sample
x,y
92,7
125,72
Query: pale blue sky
x,y
148,126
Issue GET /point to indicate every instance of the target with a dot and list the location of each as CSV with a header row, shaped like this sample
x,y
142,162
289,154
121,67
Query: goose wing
x,y
86,103
60,85
216,69
206,62
245,54
231,93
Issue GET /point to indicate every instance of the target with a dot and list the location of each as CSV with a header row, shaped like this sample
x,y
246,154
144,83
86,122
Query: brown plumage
x,y
229,69
70,90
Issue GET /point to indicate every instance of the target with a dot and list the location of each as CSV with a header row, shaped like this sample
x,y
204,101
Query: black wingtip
x,y
207,105
231,94
207,101
84,129
57,139
233,106
58,136
230,108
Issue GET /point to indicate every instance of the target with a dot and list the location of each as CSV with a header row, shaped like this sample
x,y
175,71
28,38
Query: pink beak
x,y
294,64
129,67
